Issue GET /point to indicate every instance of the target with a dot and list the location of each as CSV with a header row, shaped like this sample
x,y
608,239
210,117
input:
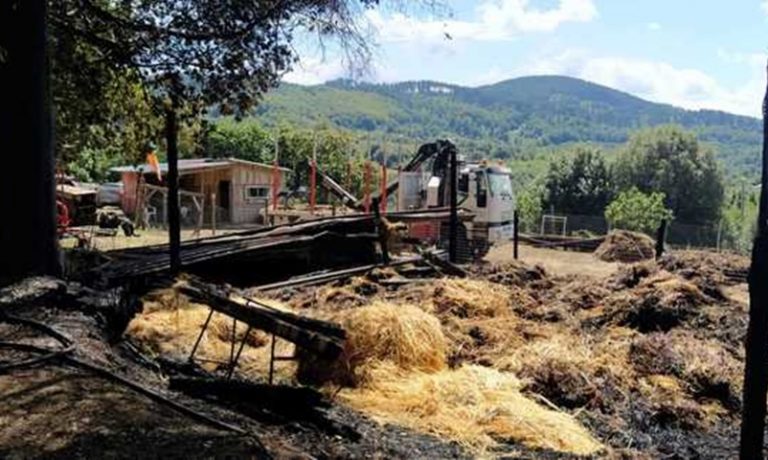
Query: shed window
x,y
256,192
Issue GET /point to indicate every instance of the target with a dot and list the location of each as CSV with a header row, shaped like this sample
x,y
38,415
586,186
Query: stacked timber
x,y
264,254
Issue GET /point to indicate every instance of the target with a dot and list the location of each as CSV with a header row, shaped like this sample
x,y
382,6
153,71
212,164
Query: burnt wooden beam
x,y
285,325
444,266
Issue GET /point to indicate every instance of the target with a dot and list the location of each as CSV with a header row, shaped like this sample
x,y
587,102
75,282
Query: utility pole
x,y
756,362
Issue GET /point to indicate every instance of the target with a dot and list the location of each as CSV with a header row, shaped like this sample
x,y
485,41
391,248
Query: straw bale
x,y
625,246
402,334
475,406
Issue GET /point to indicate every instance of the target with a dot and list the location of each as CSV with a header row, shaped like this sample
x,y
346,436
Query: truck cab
x,y
486,190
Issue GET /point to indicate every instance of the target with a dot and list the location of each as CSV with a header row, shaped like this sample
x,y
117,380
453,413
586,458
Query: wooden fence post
x,y
661,236
516,230
213,214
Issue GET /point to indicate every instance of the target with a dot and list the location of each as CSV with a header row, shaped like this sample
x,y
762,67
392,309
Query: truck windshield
x,y
500,184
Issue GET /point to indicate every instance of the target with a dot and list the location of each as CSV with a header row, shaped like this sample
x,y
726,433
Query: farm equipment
x,y
483,189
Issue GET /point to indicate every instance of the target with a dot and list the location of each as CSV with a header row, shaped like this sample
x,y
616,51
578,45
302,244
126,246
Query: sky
x,y
705,54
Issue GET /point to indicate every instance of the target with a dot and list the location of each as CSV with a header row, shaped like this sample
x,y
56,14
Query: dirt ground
x,y
555,261
147,237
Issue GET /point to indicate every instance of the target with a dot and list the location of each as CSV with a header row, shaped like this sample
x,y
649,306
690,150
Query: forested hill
x,y
508,118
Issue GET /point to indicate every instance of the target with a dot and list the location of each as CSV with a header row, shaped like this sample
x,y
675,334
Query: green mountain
x,y
514,119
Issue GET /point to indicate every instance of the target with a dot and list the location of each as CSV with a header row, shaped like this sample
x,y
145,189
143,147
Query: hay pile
x,y
468,298
475,406
512,273
710,267
659,302
169,325
395,364
403,335
705,369
513,355
625,246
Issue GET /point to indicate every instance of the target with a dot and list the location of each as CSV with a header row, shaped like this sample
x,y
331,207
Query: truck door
x,y
481,189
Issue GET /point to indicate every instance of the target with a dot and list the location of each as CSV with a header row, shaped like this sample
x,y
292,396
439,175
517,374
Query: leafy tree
x,y
637,211
338,153
186,56
246,140
579,185
739,222
670,160
529,205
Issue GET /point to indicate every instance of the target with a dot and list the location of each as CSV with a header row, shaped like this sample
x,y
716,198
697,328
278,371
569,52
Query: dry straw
x,y
624,246
472,405
401,334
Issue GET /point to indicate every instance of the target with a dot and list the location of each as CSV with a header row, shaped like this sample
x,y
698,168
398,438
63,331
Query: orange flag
x,y
155,164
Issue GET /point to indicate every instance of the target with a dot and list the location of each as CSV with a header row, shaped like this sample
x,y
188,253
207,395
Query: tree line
x,y
660,173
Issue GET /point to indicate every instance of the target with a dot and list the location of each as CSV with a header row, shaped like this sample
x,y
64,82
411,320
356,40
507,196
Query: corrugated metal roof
x,y
196,164
73,190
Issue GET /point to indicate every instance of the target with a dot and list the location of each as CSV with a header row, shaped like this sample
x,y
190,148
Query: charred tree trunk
x,y
28,240
756,366
171,140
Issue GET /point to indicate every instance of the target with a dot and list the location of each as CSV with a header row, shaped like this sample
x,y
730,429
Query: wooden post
x,y
213,214
399,179
367,187
201,219
276,174
661,236
383,196
171,139
516,233
719,234
381,231
756,362
313,177
453,222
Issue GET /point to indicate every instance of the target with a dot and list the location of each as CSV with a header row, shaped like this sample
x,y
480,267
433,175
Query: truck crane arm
x,y
439,149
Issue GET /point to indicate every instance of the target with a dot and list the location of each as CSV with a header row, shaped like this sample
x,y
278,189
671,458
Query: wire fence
x,y
721,235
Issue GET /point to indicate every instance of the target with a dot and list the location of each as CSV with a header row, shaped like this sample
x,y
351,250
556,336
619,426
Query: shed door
x,y
224,194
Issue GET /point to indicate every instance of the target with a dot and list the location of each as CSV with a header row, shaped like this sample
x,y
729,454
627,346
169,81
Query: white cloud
x,y
764,6
495,20
656,25
658,81
316,70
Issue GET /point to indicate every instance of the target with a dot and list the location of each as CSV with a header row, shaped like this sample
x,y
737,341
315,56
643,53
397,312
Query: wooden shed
x,y
238,191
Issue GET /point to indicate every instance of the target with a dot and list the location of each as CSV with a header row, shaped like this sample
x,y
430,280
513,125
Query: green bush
x,y
637,211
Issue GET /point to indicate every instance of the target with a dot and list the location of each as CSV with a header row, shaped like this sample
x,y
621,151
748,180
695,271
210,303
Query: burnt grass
x,y
685,329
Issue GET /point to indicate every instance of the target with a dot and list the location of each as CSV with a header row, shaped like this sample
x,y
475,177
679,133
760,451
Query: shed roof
x,y
195,165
